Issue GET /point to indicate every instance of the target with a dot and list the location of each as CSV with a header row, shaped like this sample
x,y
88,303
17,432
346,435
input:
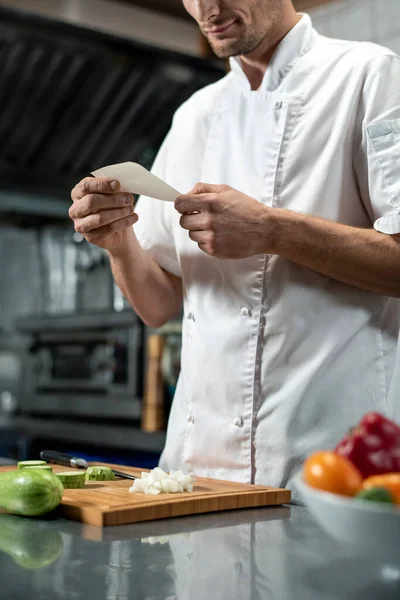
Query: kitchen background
x,y
84,83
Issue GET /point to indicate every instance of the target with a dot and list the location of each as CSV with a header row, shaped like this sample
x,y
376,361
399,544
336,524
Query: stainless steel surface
x,y
258,554
78,405
124,21
71,97
108,435
86,364
169,7
79,463
20,292
11,371
33,205
123,475
67,322
38,269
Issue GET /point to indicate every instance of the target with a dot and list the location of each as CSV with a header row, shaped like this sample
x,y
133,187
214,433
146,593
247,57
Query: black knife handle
x,y
56,457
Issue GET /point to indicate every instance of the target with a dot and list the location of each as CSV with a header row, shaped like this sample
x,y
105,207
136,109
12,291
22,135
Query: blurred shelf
x,y
77,406
117,436
77,321
33,205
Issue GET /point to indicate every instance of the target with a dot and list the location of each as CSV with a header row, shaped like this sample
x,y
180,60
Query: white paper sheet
x,y
135,179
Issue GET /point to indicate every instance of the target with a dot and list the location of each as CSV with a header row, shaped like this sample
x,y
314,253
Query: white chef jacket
x,y
277,360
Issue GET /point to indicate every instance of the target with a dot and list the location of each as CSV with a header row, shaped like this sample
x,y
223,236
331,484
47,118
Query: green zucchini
x,y
31,463
72,480
40,467
31,544
99,474
30,492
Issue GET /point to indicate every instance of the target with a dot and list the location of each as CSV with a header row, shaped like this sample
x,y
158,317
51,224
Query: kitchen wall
x,y
362,20
51,270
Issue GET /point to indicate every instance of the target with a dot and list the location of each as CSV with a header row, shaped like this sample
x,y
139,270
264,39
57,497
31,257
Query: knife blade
x,y
59,458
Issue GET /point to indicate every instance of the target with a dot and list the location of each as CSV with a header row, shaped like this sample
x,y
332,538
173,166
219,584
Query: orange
x,y
333,473
388,481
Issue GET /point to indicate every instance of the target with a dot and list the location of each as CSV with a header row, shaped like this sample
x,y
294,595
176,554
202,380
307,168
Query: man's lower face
x,y
232,41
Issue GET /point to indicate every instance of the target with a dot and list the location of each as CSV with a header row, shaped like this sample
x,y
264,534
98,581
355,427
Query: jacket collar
x,y
294,45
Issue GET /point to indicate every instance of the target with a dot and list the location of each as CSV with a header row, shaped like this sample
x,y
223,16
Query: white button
x,y
245,312
190,419
191,317
278,105
238,422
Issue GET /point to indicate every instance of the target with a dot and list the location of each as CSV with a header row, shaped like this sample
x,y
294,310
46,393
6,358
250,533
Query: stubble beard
x,y
238,47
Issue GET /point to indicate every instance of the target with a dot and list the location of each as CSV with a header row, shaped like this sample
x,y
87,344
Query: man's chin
x,y
223,55
225,52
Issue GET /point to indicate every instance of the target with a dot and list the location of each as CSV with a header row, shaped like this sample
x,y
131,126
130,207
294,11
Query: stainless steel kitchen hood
x,y
73,99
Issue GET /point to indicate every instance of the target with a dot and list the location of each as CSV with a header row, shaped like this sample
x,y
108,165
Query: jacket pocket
x,y
385,150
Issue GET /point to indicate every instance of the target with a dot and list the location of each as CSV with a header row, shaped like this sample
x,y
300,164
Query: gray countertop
x,y
257,554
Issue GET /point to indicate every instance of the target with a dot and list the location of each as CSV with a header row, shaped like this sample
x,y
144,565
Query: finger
x,y
98,235
202,237
101,219
94,185
208,188
96,202
208,249
189,204
196,222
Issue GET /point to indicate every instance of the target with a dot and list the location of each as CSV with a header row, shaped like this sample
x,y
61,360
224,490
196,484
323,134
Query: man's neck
x,y
255,64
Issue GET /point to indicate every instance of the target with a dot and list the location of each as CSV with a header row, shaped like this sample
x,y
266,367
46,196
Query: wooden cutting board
x,y
111,503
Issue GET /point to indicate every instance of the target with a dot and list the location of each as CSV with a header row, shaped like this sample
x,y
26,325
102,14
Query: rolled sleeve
x,y
162,253
377,154
157,220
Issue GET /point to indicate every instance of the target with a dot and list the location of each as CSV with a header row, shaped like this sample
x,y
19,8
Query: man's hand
x,y
224,222
103,214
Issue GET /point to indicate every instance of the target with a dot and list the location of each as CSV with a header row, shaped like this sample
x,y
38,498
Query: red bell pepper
x,y
373,446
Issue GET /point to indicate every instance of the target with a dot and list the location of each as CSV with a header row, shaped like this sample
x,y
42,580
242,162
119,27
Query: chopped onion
x,y
158,481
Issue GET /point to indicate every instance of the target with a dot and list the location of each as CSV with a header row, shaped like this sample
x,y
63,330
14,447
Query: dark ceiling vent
x,y
72,100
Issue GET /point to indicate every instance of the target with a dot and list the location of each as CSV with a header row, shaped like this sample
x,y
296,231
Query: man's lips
x,y
218,30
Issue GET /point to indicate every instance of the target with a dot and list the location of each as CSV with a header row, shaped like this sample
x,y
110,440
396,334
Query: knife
x,y
59,458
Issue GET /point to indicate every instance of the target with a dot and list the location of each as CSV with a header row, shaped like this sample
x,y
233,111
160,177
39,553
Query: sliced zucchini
x,y
41,467
99,474
31,463
71,480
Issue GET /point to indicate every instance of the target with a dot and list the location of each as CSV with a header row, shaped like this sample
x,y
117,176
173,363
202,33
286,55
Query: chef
x,y
283,250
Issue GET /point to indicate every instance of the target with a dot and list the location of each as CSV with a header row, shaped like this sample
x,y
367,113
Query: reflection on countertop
x,y
273,554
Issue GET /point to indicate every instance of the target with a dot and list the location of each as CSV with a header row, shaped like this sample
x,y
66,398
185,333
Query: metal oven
x,y
84,365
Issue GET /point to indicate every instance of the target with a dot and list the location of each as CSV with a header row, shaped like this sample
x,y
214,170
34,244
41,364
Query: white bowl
x,y
371,527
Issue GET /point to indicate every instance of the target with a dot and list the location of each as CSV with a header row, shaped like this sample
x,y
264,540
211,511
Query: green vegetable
x,y
30,492
31,463
376,495
40,467
99,474
71,480
31,544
